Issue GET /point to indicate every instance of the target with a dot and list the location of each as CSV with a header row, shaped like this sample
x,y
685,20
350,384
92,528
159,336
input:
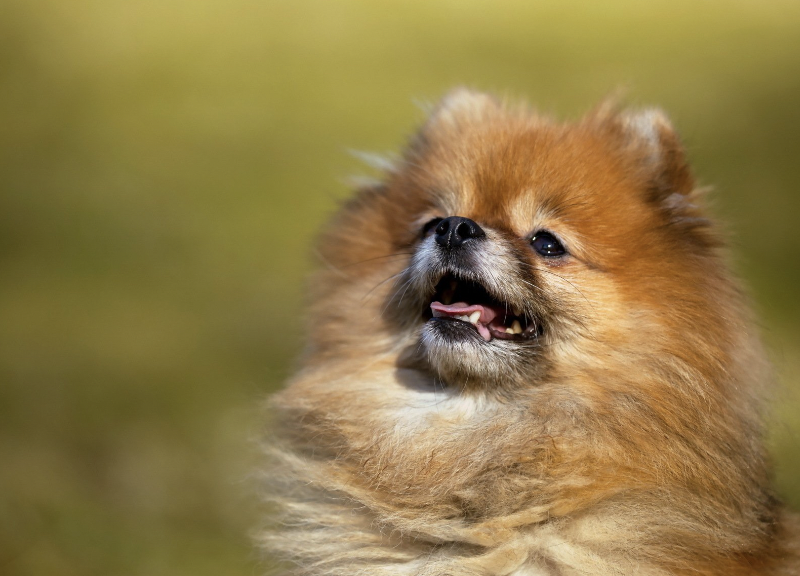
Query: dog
x,y
527,356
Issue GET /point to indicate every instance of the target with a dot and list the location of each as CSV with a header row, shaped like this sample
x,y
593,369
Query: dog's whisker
x,y
578,290
385,256
381,283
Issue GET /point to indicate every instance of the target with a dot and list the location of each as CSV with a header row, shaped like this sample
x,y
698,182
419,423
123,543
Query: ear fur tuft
x,y
649,135
654,144
463,104
456,111
652,147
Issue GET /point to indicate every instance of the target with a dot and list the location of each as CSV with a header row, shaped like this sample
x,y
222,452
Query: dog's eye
x,y
546,245
429,226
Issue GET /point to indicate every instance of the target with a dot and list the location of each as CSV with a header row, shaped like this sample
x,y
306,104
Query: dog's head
x,y
504,249
528,244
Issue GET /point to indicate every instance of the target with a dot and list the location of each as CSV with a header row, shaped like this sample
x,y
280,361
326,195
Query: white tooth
x,y
509,331
516,328
475,316
463,317
517,311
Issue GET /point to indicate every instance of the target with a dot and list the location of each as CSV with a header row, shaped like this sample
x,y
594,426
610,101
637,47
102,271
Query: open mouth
x,y
459,300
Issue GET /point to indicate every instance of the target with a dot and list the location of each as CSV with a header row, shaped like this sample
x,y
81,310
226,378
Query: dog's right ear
x,y
459,109
650,134
462,105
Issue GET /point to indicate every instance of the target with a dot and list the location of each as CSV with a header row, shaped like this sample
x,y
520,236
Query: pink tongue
x,y
488,314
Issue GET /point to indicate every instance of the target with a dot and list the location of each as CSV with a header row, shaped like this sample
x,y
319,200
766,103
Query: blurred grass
x,y
164,165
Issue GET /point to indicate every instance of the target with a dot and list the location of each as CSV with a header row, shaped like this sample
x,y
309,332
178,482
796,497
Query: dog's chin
x,y
458,356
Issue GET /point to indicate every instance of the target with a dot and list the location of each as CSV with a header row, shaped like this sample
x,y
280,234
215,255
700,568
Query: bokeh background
x,y
165,164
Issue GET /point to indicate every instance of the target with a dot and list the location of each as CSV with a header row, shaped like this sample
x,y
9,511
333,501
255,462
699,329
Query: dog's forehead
x,y
528,178
517,207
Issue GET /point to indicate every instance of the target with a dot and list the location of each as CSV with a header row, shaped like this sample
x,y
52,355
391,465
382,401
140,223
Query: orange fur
x,y
624,438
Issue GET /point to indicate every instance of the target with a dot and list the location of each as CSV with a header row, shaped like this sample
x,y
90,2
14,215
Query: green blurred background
x,y
164,166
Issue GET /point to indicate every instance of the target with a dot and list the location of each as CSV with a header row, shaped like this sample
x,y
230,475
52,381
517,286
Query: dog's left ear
x,y
653,148
648,136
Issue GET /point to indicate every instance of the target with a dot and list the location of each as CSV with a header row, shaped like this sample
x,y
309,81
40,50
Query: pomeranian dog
x,y
526,357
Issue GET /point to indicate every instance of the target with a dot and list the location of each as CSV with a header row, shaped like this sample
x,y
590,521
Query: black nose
x,y
452,232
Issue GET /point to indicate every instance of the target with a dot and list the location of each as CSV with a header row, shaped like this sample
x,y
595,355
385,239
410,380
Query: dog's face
x,y
531,244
